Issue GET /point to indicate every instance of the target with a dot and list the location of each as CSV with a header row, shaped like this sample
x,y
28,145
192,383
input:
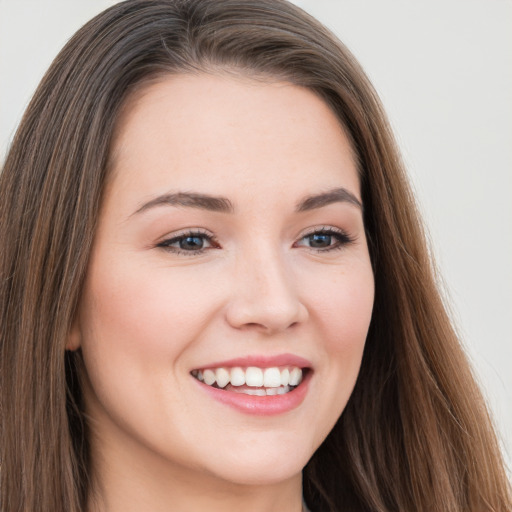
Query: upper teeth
x,y
252,376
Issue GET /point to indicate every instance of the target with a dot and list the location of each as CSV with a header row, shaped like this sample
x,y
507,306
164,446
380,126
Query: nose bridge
x,y
264,295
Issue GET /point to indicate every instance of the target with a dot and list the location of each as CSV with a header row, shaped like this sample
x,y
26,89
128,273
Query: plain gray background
x,y
443,69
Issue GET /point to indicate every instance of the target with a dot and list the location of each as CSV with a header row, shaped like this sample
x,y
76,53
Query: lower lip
x,y
261,405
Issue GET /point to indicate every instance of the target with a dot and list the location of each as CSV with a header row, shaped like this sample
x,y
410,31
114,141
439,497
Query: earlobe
x,y
74,340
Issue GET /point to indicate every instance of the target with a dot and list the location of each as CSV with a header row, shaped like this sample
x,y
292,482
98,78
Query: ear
x,y
74,340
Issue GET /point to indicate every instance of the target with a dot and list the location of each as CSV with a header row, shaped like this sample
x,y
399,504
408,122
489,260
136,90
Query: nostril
x,y
262,315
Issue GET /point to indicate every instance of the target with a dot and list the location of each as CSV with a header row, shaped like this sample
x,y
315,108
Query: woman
x,y
215,287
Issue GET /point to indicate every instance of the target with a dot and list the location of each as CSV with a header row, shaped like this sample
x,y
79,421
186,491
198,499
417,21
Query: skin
x,y
149,315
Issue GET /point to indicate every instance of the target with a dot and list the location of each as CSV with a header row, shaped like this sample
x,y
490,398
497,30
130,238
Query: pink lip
x,y
262,361
262,405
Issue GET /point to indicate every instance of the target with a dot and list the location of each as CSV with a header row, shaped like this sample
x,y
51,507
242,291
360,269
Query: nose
x,y
264,295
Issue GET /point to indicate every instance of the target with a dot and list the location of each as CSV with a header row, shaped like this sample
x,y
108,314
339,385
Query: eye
x,y
325,239
188,243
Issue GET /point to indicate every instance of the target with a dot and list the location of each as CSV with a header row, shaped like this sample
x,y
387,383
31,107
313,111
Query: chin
x,y
262,465
257,474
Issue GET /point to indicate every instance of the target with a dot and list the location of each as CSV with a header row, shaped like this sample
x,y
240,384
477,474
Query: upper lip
x,y
261,361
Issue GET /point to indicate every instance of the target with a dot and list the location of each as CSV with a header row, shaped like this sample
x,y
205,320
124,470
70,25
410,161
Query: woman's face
x,y
230,246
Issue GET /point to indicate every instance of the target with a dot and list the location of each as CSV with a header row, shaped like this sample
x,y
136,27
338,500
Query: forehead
x,y
229,134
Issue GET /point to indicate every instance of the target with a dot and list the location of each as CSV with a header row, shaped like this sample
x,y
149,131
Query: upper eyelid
x,y
202,231
212,238
317,229
325,229
166,242
344,237
186,232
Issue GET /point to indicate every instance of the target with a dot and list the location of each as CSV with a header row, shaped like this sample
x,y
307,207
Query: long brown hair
x,y
415,435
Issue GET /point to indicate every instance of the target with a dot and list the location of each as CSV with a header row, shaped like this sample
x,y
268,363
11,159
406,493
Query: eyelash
x,y
166,244
342,240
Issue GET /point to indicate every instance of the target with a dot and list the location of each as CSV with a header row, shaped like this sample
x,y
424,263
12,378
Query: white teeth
x,y
271,378
254,377
222,377
209,377
295,377
263,392
283,390
255,392
237,376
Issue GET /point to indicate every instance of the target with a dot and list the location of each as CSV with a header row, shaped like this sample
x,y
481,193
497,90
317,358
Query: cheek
x,y
341,311
136,322
137,307
342,306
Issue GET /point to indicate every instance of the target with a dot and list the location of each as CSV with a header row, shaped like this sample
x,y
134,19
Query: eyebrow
x,y
190,200
224,205
335,195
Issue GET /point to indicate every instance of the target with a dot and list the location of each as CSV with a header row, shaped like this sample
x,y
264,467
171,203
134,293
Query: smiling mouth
x,y
252,380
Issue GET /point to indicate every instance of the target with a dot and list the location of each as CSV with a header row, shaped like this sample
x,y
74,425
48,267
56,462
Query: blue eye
x,y
320,240
190,243
324,240
194,243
